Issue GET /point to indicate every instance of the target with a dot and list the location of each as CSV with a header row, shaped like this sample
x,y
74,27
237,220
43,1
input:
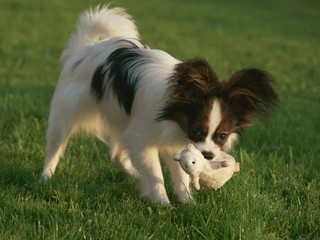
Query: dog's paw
x,y
45,176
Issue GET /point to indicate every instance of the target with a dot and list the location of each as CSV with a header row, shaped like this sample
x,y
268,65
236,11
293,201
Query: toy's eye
x,y
193,162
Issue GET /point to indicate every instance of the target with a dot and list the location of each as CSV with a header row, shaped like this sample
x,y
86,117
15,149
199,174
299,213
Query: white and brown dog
x,y
143,101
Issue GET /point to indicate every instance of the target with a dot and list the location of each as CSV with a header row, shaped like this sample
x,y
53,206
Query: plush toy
x,y
210,174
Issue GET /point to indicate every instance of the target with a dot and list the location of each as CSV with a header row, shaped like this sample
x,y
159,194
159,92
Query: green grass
x,y
275,196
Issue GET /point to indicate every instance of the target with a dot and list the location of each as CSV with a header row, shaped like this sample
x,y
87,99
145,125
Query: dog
x,y
142,102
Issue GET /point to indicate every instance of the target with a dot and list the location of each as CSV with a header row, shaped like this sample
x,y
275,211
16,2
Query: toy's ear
x,y
190,147
177,157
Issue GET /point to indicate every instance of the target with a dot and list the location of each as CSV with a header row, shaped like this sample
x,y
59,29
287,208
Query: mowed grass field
x,y
276,195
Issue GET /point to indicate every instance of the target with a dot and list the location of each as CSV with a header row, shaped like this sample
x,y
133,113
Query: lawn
x,y
276,195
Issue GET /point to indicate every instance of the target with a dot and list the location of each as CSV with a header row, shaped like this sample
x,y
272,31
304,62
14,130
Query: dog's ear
x,y
248,93
194,78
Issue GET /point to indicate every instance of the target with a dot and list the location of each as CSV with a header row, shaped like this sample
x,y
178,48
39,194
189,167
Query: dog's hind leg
x,y
71,109
65,118
122,158
58,133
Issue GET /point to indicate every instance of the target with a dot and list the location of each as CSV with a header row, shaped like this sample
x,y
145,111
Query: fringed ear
x,y
249,92
193,78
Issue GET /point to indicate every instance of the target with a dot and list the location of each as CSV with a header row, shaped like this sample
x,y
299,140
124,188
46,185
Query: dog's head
x,y
213,113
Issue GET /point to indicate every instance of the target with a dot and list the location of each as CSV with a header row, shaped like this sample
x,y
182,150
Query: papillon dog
x,y
142,102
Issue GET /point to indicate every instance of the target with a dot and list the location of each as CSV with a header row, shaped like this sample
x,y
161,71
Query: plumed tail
x,y
97,25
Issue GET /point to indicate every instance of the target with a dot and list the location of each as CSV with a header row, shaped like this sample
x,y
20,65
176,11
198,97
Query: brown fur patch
x,y
194,79
249,93
192,88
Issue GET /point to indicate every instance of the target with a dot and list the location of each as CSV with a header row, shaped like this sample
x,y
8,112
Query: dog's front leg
x,y
146,161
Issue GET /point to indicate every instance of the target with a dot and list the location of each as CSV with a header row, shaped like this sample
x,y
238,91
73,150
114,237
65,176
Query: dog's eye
x,y
196,132
222,136
193,162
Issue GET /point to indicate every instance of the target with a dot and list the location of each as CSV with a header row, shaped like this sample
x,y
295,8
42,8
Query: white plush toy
x,y
211,174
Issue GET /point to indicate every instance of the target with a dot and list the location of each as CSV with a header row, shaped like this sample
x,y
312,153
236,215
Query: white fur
x,y
233,138
97,25
214,120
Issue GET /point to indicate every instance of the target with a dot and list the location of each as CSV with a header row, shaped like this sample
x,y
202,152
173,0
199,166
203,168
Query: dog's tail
x,y
99,24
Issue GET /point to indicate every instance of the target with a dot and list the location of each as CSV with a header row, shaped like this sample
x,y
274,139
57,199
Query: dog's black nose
x,y
208,155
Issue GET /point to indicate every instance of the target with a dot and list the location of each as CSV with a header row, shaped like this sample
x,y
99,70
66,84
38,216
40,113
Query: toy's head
x,y
191,160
